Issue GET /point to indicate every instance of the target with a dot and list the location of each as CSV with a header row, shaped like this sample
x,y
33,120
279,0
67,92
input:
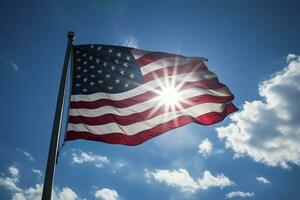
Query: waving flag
x,y
123,95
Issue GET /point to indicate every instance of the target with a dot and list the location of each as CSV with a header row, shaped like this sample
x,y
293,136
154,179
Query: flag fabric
x,y
124,95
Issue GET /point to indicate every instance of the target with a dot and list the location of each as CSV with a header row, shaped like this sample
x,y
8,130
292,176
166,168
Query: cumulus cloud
x,y
268,130
8,182
67,194
239,194
89,157
35,193
14,171
130,42
107,194
262,180
205,147
181,179
32,193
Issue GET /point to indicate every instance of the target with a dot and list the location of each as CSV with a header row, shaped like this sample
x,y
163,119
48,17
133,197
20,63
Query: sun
x,y
169,96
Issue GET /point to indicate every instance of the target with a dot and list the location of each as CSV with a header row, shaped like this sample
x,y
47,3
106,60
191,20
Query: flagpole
x,y
52,154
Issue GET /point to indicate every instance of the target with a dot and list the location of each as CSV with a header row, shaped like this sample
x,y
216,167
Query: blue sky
x,y
251,45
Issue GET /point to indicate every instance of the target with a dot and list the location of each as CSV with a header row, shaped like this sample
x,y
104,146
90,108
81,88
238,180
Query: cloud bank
x,y
32,193
239,194
181,179
268,130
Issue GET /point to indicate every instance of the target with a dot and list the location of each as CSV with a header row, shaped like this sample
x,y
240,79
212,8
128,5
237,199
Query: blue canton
x,y
104,68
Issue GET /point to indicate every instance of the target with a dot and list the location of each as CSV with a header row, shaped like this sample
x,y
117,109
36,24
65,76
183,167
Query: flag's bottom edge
x,y
141,137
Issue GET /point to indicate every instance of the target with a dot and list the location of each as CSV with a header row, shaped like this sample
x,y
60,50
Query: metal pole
x,y
49,175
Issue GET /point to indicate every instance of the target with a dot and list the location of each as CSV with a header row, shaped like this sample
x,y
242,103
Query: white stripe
x,y
192,77
137,53
166,62
140,107
132,129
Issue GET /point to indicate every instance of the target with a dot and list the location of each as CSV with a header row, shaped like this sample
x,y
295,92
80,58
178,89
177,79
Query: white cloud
x,y
32,193
208,180
117,166
239,194
67,194
106,194
9,183
14,171
38,172
262,180
268,130
28,155
181,179
205,147
89,157
130,42
35,193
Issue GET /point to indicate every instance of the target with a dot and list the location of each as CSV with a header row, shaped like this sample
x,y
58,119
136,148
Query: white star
x,y
110,51
125,64
122,72
97,60
126,85
78,68
92,66
100,81
117,81
116,61
92,83
110,87
119,54
105,64
127,57
84,90
78,76
131,75
85,79
107,75
113,68
85,70
84,55
99,71
78,60
92,46
85,62
91,57
99,48
93,76
77,85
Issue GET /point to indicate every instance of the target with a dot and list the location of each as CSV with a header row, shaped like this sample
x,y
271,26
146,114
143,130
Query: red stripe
x,y
145,115
118,138
173,70
153,56
205,84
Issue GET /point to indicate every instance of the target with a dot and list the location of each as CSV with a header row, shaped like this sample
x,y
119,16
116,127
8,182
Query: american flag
x,y
124,95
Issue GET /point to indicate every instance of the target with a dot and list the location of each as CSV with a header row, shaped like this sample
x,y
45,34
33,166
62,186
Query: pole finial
x,y
71,35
